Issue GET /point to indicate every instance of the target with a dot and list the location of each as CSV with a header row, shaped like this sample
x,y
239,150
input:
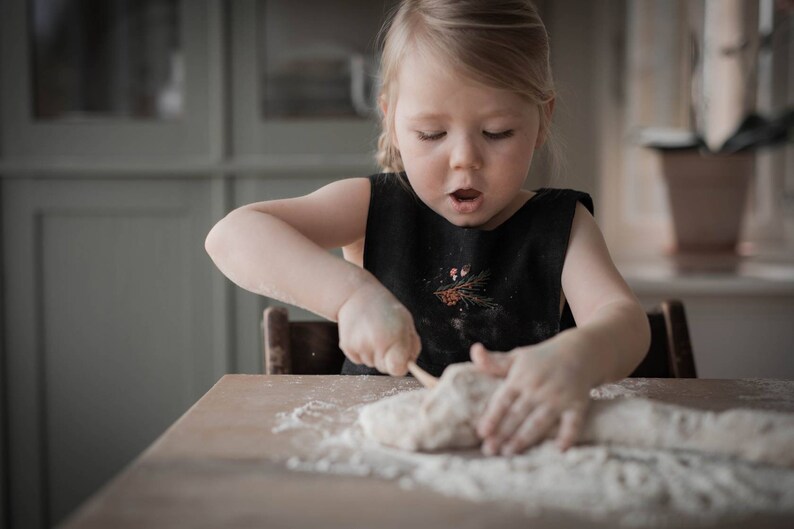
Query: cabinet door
x,y
108,329
124,81
305,77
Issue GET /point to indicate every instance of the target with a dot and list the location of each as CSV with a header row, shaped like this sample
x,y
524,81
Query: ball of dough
x,y
442,418
446,417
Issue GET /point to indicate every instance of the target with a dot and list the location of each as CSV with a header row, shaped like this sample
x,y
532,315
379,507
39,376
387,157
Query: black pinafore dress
x,y
499,287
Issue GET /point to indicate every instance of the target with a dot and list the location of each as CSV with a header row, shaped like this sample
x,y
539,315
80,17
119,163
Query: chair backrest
x,y
300,347
312,347
670,354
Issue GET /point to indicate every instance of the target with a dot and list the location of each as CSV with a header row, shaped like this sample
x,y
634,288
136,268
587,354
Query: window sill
x,y
744,277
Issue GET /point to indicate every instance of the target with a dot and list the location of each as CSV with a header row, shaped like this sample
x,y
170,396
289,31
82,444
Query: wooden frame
x,y
123,142
670,354
292,141
312,347
300,347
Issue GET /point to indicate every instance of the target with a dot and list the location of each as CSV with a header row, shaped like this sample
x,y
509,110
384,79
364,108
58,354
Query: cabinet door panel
x,y
109,326
305,77
88,103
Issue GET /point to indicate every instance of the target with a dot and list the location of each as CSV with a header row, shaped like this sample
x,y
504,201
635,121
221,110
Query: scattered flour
x,y
637,487
613,391
311,415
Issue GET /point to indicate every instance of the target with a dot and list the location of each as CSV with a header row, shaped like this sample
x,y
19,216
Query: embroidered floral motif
x,y
468,290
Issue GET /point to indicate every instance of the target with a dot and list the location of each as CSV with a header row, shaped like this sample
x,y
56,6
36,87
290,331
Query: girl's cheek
x,y
413,150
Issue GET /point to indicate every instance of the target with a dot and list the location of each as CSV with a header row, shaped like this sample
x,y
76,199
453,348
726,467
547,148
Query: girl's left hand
x,y
544,387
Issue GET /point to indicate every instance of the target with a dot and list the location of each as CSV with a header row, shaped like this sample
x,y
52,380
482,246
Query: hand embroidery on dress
x,y
468,290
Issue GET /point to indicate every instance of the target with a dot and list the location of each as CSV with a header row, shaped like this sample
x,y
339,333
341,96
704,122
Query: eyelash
x,y
498,135
490,135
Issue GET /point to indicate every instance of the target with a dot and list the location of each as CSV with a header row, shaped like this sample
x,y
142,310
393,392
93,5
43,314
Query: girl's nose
x,y
465,155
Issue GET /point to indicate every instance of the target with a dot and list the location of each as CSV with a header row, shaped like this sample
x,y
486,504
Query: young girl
x,y
446,256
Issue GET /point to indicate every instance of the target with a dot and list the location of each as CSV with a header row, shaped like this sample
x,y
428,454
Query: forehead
x,y
429,87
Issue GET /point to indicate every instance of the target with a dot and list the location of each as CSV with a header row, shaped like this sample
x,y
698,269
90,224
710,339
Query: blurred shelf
x,y
747,277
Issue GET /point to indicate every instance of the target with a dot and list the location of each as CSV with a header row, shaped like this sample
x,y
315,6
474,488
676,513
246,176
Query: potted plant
x,y
708,175
707,188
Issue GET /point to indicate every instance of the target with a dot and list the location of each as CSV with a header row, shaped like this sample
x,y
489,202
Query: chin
x,y
467,222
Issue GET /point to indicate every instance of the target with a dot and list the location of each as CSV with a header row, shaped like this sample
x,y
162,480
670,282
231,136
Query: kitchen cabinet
x,y
184,111
127,129
305,73
107,329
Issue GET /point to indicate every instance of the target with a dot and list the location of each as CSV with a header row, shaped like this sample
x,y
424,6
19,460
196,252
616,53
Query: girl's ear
x,y
384,108
548,111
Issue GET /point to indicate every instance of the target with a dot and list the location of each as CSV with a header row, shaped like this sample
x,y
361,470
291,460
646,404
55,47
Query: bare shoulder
x,y
583,217
589,276
333,216
586,236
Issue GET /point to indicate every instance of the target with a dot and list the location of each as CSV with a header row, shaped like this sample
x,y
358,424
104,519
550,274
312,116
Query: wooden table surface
x,y
222,465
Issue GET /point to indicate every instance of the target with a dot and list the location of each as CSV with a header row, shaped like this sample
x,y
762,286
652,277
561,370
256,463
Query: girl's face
x,y
466,148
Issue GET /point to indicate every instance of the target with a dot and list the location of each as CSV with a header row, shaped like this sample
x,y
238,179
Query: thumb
x,y
396,360
497,364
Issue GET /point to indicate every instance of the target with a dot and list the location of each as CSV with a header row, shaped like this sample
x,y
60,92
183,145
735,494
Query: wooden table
x,y
222,465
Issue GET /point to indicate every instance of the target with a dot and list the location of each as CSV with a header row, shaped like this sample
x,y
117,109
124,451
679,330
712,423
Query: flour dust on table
x,y
642,462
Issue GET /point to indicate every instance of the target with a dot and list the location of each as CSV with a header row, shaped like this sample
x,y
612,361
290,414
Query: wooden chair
x,y
312,347
300,347
670,354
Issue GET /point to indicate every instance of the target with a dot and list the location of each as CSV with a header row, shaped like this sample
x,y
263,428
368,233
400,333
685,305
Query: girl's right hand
x,y
376,330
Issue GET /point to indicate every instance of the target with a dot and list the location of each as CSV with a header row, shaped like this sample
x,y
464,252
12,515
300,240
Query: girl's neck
x,y
517,203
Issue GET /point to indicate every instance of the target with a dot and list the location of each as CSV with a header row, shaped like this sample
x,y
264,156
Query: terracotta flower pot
x,y
708,194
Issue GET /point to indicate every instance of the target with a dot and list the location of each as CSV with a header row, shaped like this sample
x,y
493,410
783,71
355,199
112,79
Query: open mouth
x,y
466,200
466,195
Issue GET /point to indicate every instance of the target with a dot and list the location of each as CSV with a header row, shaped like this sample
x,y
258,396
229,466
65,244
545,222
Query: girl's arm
x,y
279,249
548,385
611,325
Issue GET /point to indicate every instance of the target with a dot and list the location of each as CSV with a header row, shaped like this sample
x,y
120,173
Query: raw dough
x,y
445,418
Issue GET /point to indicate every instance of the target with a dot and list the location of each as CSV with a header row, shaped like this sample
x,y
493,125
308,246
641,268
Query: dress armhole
x,y
567,320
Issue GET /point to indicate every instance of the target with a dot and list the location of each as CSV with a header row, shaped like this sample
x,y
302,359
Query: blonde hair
x,y
501,44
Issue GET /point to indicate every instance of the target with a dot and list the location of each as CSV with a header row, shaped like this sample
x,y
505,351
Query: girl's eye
x,y
429,137
498,135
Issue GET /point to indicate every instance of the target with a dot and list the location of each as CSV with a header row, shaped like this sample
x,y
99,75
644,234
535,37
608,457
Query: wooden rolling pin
x,y
424,378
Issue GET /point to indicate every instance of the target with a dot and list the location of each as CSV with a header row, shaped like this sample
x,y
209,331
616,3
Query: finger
x,y
570,428
478,354
350,352
366,357
533,430
497,364
380,362
413,348
353,356
497,406
515,417
396,360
